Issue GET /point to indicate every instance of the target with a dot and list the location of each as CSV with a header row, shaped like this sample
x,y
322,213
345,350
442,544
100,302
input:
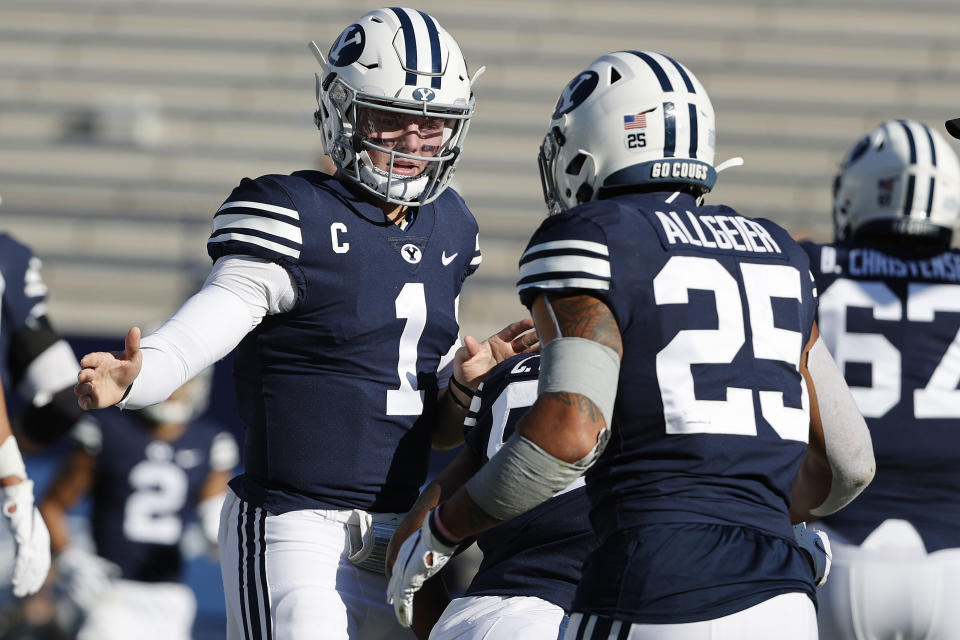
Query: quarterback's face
x,y
404,133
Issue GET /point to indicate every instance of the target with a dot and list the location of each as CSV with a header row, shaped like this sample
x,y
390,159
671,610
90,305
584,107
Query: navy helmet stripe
x,y
434,49
933,149
908,199
694,130
656,68
930,196
669,130
410,40
683,74
913,145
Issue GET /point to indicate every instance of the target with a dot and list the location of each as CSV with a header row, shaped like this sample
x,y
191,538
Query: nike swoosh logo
x,y
445,259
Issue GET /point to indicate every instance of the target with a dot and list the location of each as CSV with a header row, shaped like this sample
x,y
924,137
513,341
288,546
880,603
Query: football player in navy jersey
x,y
147,471
340,294
890,315
681,366
36,363
531,565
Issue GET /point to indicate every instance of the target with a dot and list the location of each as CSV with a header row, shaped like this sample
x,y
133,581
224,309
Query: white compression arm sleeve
x,y
236,296
848,443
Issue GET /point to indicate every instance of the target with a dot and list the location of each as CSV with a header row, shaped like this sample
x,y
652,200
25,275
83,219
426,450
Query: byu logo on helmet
x,y
576,92
348,47
424,94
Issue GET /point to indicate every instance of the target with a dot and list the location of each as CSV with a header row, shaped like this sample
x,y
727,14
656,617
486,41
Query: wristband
x,y
467,391
453,397
11,462
439,531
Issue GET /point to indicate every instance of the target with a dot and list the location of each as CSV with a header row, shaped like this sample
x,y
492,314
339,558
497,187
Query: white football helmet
x,y
631,118
400,61
902,179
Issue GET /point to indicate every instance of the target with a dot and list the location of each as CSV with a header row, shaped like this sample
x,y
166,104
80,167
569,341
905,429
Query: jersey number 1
x,y
411,304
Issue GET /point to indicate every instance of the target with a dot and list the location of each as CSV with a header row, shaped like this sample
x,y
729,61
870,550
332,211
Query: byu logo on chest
x,y
411,253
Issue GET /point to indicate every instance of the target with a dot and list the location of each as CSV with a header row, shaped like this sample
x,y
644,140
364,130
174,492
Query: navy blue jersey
x,y
541,552
892,323
144,490
23,302
339,395
711,418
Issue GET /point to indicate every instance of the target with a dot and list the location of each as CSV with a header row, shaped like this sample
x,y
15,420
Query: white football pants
x,y
889,587
789,616
498,618
287,577
141,610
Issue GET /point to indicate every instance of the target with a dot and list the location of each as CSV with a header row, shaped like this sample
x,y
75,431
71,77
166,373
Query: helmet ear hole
x,y
614,75
576,165
584,193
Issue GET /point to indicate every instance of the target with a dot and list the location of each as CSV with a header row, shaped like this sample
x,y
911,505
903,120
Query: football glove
x,y
85,576
816,544
31,536
420,557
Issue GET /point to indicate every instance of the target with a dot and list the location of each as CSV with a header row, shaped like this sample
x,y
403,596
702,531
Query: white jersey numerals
x,y
411,305
940,398
683,412
151,514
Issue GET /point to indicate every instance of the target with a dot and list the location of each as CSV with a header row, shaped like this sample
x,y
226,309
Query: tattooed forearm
x,y
587,317
583,404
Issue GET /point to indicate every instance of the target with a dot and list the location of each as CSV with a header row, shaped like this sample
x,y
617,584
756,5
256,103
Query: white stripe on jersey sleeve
x,y
240,221
553,245
477,256
570,283
599,267
273,246
272,208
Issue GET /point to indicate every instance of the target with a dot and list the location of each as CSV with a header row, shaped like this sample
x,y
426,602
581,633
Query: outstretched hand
x,y
474,360
105,376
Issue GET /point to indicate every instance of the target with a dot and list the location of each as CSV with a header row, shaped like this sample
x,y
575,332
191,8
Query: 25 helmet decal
x,y
349,46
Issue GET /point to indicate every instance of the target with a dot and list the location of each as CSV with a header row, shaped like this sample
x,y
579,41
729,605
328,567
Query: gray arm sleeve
x,y
848,443
522,475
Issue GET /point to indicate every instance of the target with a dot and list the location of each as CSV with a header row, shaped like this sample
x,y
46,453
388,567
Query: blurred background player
x,y
531,564
342,293
148,472
890,314
37,365
680,348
